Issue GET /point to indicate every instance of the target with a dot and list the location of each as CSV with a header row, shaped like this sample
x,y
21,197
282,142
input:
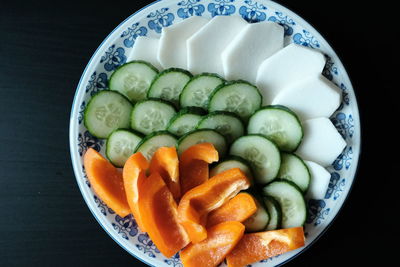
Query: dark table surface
x,y
44,48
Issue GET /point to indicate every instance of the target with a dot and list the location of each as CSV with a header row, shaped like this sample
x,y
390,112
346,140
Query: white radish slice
x,y
321,143
206,46
172,51
313,97
289,65
255,43
320,178
145,48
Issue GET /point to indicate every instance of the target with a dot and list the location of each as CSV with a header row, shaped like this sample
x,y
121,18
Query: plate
x,y
149,21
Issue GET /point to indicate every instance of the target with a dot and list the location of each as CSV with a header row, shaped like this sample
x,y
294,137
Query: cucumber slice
x,y
226,123
185,120
197,91
279,124
232,162
239,97
121,144
133,79
168,84
291,201
154,141
260,219
274,211
106,112
151,115
203,136
262,154
294,169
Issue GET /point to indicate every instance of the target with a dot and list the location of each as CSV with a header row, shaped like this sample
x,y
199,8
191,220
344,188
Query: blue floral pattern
x,y
96,83
159,19
132,33
221,7
126,226
317,211
253,11
345,94
306,38
330,69
344,124
336,186
86,140
190,8
147,246
174,261
344,160
113,58
286,22
102,206
81,112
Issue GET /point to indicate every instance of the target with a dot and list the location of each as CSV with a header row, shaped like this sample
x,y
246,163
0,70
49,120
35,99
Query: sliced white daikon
x,y
289,65
313,97
319,183
172,51
206,46
321,143
255,43
145,48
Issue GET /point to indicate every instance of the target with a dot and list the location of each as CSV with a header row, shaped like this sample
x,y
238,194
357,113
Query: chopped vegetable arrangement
x,y
214,169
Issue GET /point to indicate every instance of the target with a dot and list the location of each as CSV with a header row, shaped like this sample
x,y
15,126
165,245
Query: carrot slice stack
x,y
165,161
221,239
106,181
134,173
210,195
237,209
193,165
262,245
159,215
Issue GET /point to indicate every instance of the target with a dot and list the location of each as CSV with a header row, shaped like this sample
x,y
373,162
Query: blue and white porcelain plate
x,y
148,22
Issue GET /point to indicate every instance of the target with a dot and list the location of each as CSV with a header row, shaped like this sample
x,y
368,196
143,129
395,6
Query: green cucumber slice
x,y
151,115
239,97
133,79
279,124
121,144
291,201
226,123
106,112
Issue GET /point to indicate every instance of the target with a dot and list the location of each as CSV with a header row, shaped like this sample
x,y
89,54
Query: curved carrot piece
x,y
193,165
134,173
199,201
237,209
106,181
165,162
159,216
259,246
202,151
222,238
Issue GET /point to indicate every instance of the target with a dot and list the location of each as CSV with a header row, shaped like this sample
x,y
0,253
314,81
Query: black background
x,y
44,48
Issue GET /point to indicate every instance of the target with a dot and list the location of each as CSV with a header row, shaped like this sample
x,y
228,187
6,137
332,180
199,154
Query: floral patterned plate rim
x,y
149,21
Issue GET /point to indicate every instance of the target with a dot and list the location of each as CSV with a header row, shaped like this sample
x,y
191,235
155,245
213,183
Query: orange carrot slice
x,y
165,162
258,246
237,209
212,194
193,165
134,173
221,239
159,216
106,181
